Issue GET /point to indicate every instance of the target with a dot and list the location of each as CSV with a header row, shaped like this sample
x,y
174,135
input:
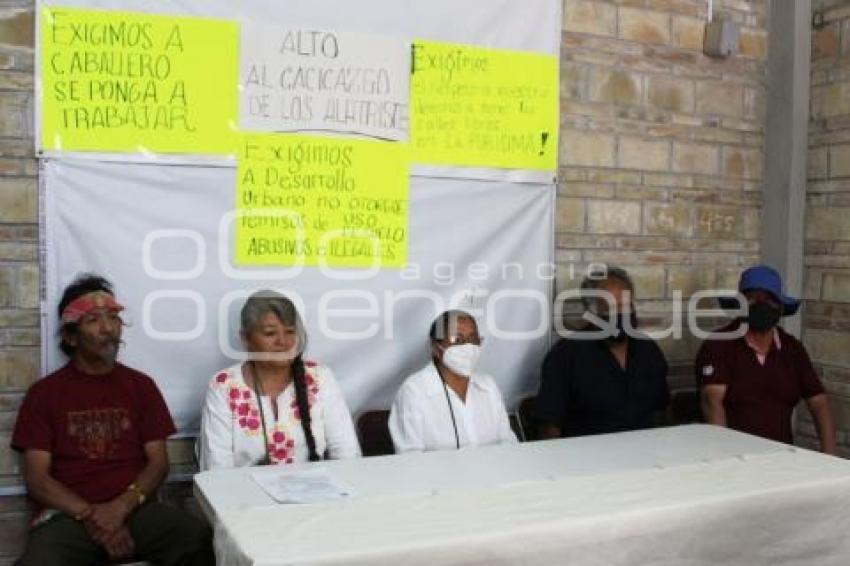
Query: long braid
x,y
300,383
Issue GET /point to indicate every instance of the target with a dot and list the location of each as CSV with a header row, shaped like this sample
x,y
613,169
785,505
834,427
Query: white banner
x,y
153,225
299,79
156,231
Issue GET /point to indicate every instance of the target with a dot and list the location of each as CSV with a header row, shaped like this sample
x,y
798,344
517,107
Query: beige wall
x,y
661,149
19,334
826,319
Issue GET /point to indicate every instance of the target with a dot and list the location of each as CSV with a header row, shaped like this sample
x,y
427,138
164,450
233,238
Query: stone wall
x,y
661,150
826,322
19,329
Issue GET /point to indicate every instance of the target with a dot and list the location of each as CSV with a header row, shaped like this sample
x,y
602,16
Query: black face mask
x,y
620,322
763,316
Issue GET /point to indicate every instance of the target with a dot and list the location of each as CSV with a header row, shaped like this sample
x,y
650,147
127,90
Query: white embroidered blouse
x,y
231,430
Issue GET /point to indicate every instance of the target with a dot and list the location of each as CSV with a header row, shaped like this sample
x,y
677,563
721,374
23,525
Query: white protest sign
x,y
294,79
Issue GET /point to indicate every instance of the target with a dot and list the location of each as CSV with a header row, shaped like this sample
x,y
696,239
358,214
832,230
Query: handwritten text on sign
x,y
478,107
300,79
127,82
319,200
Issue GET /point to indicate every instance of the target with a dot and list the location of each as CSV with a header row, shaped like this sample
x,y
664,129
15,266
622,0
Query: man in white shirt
x,y
447,404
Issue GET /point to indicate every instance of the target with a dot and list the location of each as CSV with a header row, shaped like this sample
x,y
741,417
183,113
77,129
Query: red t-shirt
x,y
759,398
94,426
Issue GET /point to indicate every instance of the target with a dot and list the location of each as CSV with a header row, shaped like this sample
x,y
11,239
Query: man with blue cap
x,y
752,382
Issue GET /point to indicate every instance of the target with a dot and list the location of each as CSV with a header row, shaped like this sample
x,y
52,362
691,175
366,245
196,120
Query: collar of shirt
x,y
762,354
435,386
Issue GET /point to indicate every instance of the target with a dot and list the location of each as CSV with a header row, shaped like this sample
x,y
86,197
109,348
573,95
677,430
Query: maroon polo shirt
x,y
759,398
94,426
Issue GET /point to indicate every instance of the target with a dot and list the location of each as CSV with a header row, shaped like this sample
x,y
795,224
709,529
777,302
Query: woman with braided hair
x,y
276,407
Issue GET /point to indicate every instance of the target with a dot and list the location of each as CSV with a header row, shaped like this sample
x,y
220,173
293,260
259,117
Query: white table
x,y
688,495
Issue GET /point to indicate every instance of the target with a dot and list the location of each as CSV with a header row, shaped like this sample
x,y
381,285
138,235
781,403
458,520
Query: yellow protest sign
x,y
133,82
311,200
478,107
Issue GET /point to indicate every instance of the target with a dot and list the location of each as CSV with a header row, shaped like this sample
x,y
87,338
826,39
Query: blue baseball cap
x,y
763,278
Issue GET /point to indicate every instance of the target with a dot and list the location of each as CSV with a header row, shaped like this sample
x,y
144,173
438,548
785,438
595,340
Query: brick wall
x,y
19,332
827,253
661,150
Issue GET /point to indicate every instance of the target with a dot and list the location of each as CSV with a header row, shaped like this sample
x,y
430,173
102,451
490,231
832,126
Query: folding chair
x,y
374,433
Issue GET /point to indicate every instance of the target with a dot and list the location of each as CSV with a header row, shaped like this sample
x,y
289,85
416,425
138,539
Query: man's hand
x,y
119,544
107,518
42,487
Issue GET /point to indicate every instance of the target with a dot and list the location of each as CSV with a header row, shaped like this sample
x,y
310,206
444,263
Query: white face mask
x,y
462,359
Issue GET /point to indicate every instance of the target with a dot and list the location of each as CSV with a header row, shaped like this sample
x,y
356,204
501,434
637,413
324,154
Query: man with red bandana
x,y
93,437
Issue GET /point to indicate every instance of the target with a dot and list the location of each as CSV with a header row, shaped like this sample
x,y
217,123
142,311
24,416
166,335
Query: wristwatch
x,y
137,491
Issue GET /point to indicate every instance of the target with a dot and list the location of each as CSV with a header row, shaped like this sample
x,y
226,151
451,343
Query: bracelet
x,y
140,495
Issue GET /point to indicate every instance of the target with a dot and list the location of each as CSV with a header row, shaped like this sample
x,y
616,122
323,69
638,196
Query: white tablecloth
x,y
689,495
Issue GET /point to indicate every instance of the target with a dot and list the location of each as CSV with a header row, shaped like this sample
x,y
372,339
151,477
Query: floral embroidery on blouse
x,y
281,447
243,406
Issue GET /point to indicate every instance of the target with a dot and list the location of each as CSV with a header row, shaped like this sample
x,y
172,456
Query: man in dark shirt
x,y
603,380
93,437
753,382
